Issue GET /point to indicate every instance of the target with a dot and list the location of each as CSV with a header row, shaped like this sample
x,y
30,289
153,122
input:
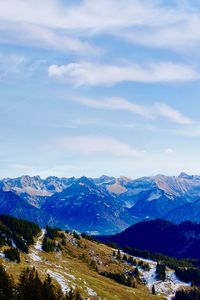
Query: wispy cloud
x,y
10,64
116,103
88,145
85,73
178,35
156,110
150,22
88,15
166,111
42,37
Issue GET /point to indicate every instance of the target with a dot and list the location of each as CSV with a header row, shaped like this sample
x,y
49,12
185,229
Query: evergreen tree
x,y
48,289
29,286
48,245
12,254
6,285
153,290
118,254
161,271
125,257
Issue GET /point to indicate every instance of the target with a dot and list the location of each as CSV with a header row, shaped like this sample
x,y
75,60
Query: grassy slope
x,y
71,262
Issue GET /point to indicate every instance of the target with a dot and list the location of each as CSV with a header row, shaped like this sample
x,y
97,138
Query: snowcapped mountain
x,y
159,196
34,189
106,204
88,207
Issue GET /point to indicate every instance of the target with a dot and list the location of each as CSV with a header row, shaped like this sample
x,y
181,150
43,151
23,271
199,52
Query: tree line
x,y
31,287
18,232
190,294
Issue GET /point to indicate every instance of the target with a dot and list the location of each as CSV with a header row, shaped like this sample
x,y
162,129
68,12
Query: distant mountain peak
x,y
84,181
105,177
185,175
125,178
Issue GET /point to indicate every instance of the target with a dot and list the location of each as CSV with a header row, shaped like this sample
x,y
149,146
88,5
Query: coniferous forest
x,y
18,232
30,287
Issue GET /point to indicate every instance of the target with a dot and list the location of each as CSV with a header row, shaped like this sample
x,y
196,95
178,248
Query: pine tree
x,y
12,254
161,271
6,285
29,286
125,257
118,254
153,290
48,290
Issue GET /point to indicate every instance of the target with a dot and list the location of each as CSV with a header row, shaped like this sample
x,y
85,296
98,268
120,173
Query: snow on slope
x,y
60,279
38,244
168,287
37,247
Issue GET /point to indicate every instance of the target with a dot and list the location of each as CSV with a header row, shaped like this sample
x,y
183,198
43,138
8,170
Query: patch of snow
x,y
60,279
91,292
38,244
167,287
70,276
154,196
2,255
34,256
13,244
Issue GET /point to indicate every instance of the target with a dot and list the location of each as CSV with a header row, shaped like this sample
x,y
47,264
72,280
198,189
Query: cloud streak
x,y
86,73
156,110
44,38
168,112
148,23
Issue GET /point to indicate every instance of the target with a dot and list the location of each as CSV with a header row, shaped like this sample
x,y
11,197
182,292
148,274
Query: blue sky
x,y
91,88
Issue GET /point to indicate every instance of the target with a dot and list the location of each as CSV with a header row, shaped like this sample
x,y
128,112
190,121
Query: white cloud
x,y
89,145
85,73
169,151
180,35
164,110
147,22
87,14
154,111
43,37
116,103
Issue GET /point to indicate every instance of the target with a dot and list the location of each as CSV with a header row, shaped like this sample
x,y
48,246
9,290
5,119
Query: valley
x,y
75,266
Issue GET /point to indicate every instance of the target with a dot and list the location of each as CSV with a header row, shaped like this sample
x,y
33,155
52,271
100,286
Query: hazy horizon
x,y
95,177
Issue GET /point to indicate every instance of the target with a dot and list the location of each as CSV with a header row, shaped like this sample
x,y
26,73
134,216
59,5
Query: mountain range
x,y
104,205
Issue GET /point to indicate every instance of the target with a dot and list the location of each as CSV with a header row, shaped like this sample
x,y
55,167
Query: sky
x,y
99,87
